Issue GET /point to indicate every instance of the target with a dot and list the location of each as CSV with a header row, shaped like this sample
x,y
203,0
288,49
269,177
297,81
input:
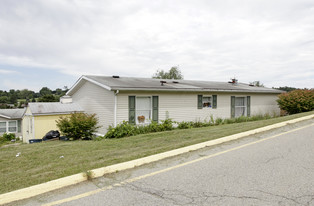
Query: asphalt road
x,y
273,168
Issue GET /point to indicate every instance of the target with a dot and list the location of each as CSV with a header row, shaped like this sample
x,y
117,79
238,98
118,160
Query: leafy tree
x,y
45,91
48,98
174,73
78,125
286,89
4,99
257,84
297,101
13,98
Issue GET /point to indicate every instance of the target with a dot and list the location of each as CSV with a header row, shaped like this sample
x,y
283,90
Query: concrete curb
x,y
77,178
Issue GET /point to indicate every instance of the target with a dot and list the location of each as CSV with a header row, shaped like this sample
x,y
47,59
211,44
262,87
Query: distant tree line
x,y
20,98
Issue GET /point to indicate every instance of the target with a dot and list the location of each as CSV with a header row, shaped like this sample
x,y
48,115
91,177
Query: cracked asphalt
x,y
263,169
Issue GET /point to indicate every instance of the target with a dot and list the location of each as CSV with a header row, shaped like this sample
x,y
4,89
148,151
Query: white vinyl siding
x,y
264,104
178,106
96,100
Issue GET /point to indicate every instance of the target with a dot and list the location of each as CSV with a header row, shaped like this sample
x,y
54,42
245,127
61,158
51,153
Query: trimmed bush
x,y
125,129
297,101
8,136
78,126
185,125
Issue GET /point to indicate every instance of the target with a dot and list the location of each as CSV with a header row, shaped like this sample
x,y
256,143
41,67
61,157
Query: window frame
x,y
211,101
150,119
16,126
7,126
245,106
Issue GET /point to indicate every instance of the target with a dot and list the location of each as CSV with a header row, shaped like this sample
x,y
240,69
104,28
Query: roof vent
x,y
233,81
162,83
116,77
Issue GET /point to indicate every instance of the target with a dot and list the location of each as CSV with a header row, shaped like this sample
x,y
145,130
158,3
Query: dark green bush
x,y
125,129
297,101
78,126
8,136
185,125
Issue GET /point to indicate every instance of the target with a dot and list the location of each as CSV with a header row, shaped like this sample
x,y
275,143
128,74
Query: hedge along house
x,y
41,117
11,121
142,100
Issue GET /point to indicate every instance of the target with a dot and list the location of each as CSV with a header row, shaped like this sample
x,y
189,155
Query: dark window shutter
x,y
232,106
132,109
155,108
19,123
248,105
199,101
214,101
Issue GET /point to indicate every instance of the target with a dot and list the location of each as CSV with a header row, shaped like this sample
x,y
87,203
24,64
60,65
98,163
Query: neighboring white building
x,y
142,100
10,121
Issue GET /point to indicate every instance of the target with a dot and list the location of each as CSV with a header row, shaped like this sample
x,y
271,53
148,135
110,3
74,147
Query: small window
x,y
207,102
12,126
240,106
3,127
143,110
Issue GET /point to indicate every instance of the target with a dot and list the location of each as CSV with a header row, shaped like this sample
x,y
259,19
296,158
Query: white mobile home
x,y
142,100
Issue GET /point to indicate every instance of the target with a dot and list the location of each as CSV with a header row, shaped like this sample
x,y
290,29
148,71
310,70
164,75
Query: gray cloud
x,y
270,41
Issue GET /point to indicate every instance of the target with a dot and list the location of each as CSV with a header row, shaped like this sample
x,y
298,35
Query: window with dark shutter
x,y
155,108
132,109
214,101
199,101
232,106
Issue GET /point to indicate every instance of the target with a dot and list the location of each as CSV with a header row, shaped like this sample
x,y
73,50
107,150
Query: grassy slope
x,y
41,162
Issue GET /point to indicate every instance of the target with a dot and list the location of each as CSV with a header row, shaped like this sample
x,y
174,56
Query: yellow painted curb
x,y
77,178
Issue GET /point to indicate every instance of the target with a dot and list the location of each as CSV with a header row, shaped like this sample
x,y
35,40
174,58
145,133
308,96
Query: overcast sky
x,y
53,42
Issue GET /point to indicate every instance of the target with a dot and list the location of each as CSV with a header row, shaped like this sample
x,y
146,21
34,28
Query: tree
x,y
48,98
174,73
78,125
286,89
45,91
257,84
4,99
297,101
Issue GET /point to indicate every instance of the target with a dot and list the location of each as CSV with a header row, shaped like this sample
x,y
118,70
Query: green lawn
x,y
41,162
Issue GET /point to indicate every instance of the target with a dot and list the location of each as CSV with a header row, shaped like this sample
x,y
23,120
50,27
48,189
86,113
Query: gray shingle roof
x,y
149,84
40,108
12,113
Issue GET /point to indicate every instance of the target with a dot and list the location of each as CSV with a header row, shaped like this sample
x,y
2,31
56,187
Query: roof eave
x,y
54,113
193,90
82,78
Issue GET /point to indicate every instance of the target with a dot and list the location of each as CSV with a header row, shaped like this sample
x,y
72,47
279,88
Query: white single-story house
x,y
10,121
40,117
142,100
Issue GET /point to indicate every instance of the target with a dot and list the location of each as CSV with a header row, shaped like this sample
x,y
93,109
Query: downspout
x,y
33,126
115,108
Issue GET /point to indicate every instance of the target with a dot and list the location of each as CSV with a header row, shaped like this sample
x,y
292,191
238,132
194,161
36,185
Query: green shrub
x,y
185,125
125,129
166,125
219,121
8,136
78,126
297,101
198,124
